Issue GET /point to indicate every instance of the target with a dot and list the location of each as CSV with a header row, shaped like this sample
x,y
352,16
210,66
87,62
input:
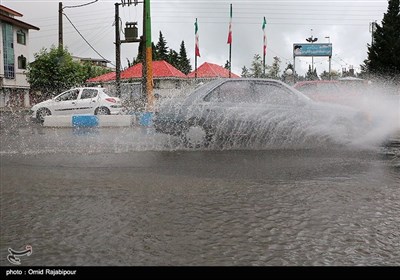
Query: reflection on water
x,y
273,207
128,196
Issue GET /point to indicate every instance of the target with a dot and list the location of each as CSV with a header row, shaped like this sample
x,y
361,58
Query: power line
x,y
77,6
86,40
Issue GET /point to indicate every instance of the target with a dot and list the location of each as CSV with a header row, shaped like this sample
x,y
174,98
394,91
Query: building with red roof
x,y
107,77
161,69
211,70
166,78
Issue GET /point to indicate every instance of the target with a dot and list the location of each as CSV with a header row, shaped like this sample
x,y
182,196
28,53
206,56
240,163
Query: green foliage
x,y
173,58
161,51
245,72
274,70
91,71
161,48
333,76
183,61
226,66
383,55
55,71
256,68
311,75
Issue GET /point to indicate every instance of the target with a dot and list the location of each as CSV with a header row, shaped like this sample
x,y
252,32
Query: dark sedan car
x,y
255,112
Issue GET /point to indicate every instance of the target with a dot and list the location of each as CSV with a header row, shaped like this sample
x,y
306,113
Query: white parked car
x,y
86,100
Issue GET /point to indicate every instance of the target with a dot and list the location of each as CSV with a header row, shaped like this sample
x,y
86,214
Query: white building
x,y
14,52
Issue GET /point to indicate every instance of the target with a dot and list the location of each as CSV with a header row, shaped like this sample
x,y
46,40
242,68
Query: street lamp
x,y
312,40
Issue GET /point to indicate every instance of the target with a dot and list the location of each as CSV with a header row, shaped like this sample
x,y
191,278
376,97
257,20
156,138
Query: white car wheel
x,y
42,113
102,111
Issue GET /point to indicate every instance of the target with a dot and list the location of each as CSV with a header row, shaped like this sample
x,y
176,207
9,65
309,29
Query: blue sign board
x,y
312,49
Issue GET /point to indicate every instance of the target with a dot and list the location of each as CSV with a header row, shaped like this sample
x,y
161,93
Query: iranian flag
x,y
265,37
230,28
196,32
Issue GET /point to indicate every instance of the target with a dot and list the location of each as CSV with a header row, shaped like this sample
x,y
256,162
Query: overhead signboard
x,y
312,49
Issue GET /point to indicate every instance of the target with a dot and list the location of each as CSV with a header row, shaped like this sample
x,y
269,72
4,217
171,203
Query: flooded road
x,y
128,197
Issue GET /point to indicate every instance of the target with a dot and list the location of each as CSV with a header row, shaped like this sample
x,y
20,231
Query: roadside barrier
x,y
88,121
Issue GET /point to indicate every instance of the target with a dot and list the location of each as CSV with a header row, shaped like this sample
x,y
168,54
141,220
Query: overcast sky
x,y
346,23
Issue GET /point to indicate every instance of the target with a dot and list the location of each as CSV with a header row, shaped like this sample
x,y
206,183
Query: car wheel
x,y
41,113
102,111
197,136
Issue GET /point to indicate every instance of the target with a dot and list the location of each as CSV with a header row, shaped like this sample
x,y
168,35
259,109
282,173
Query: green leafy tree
x,y
226,66
383,54
274,70
333,76
311,75
55,71
161,48
140,56
173,58
183,61
256,68
91,71
245,72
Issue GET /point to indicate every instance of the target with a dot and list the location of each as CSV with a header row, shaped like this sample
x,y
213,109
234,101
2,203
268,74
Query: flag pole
x,y
196,48
264,45
230,42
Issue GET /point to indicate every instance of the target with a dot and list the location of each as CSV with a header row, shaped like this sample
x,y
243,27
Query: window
x,y
21,37
21,62
275,94
8,51
68,95
88,93
232,91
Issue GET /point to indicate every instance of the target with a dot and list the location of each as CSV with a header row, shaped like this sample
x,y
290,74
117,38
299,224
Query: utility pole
x,y
148,61
130,37
60,25
117,52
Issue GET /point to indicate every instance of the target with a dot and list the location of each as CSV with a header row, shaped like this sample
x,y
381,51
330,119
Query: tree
x,y
226,66
383,54
333,76
54,71
90,71
256,68
161,48
245,72
140,56
173,58
311,75
183,61
273,72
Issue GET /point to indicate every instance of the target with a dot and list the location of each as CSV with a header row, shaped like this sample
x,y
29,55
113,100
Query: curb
x,y
89,121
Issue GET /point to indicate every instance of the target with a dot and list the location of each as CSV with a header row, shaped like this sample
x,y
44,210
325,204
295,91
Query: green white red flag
x,y
196,32
265,37
230,28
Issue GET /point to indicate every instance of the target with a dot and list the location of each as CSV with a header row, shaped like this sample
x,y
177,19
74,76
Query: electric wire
x,y
86,40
